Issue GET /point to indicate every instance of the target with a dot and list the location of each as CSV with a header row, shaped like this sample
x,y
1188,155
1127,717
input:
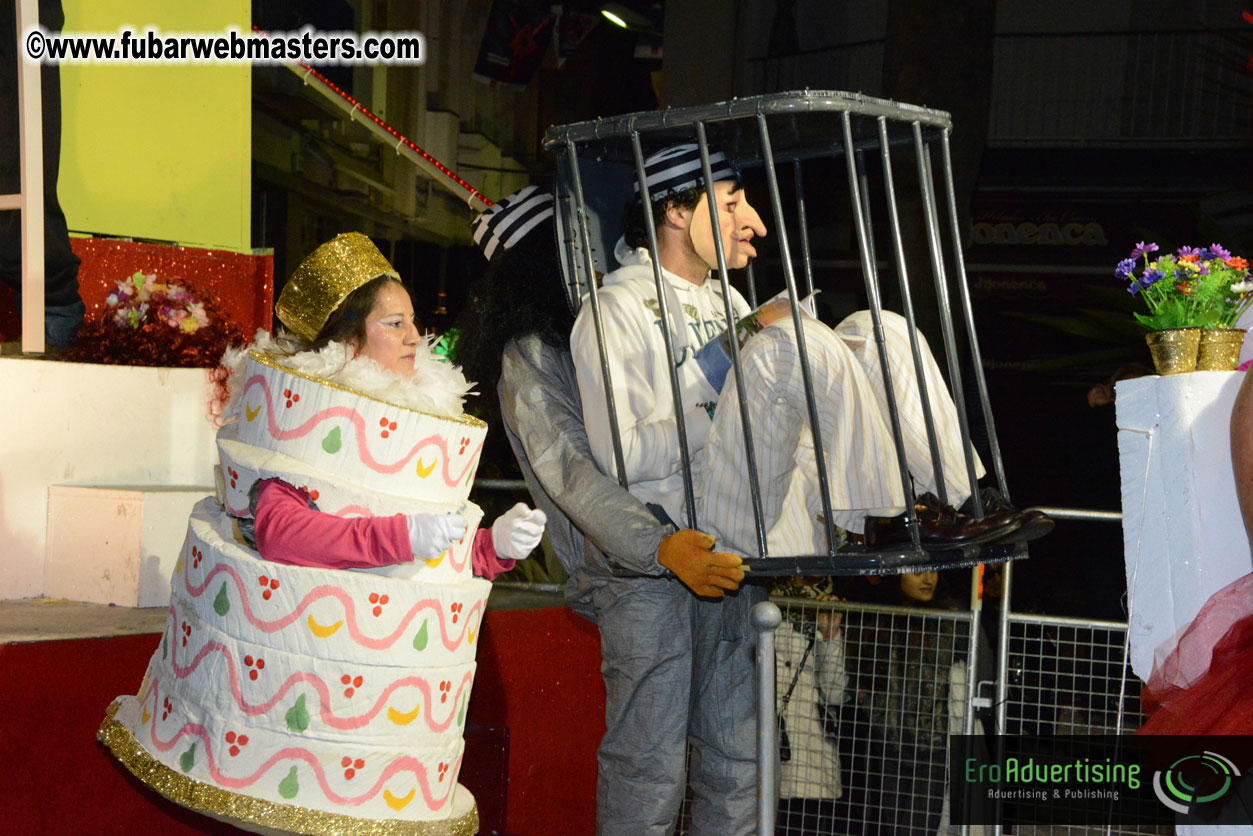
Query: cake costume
x,y
289,695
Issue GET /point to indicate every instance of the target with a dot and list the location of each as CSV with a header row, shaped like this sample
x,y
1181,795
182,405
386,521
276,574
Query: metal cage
x,y
599,160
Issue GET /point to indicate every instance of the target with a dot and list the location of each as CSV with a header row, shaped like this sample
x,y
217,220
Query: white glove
x,y
517,531
431,534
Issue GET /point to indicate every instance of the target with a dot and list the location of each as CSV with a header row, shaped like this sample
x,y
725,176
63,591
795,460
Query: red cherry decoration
x,y
230,737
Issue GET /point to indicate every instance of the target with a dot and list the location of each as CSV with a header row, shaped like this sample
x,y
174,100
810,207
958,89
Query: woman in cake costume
x,y
369,334
287,694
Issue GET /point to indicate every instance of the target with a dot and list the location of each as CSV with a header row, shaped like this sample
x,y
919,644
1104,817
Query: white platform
x,y
116,545
76,424
1183,533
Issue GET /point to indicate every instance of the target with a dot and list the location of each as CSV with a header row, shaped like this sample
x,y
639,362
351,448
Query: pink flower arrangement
x,y
174,305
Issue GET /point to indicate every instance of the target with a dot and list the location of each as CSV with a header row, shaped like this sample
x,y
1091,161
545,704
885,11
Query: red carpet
x,y
536,716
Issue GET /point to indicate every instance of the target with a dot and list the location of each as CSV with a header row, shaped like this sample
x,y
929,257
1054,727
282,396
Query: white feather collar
x,y
437,386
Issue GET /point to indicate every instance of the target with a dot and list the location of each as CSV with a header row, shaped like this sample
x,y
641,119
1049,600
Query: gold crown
x,y
325,278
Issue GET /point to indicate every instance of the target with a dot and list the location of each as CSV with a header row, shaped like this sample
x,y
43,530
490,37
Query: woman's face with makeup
x,y
391,335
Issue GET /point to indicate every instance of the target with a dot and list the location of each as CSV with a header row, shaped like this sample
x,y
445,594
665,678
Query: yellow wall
x,y
158,151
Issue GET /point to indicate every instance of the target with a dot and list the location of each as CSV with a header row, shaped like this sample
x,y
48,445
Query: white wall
x,y
1182,530
80,424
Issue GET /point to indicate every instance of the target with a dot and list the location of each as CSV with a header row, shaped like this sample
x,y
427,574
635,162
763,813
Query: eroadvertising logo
x,y
1125,780
1194,780
1079,780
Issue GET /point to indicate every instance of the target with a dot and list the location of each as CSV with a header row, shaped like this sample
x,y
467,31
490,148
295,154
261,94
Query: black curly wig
x,y
521,293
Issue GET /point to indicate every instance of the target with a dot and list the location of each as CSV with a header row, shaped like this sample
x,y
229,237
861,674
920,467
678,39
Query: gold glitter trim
x,y
325,278
236,808
273,363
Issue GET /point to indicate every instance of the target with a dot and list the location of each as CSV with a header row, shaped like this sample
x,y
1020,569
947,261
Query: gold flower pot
x,y
1174,349
1219,349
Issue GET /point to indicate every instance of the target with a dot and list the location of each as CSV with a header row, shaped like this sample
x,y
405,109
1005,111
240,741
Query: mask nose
x,y
749,220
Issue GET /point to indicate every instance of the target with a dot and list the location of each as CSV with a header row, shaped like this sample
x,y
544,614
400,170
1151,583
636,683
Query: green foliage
x,y
1190,288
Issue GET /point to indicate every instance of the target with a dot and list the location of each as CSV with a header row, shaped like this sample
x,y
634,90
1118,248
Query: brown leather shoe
x,y
939,527
1035,523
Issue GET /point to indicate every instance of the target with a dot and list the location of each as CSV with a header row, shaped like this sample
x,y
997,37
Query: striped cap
x,y
508,222
677,168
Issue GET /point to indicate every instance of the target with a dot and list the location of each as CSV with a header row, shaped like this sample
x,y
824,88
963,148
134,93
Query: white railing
x,y
30,197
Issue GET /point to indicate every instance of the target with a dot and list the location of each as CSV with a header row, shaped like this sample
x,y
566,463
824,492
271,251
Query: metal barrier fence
x,y
868,696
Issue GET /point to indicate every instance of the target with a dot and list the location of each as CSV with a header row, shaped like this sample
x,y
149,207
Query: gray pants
x,y
676,668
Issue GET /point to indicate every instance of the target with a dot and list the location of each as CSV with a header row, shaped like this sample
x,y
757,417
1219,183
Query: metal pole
x,y
963,291
685,462
876,316
1002,681
907,303
804,227
754,482
925,181
766,618
580,209
776,204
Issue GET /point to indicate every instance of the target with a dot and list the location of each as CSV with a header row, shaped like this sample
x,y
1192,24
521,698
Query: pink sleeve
x,y
289,531
483,557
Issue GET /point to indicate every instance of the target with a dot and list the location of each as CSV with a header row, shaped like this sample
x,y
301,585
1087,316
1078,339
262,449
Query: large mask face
x,y
738,222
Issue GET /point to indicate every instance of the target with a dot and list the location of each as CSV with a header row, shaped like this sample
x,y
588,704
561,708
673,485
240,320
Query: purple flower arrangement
x,y
1201,288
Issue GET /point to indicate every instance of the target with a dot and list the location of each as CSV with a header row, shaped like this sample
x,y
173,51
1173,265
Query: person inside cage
x,y
655,593
910,674
351,321
867,497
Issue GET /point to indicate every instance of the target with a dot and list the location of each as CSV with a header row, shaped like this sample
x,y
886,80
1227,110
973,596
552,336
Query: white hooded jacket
x,y
639,371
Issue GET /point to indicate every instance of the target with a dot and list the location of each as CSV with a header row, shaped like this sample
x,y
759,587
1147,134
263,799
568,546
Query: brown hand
x,y
771,311
689,554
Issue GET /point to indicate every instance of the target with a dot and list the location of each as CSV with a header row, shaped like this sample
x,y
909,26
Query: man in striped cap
x,y
696,686
864,480
867,492
633,574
